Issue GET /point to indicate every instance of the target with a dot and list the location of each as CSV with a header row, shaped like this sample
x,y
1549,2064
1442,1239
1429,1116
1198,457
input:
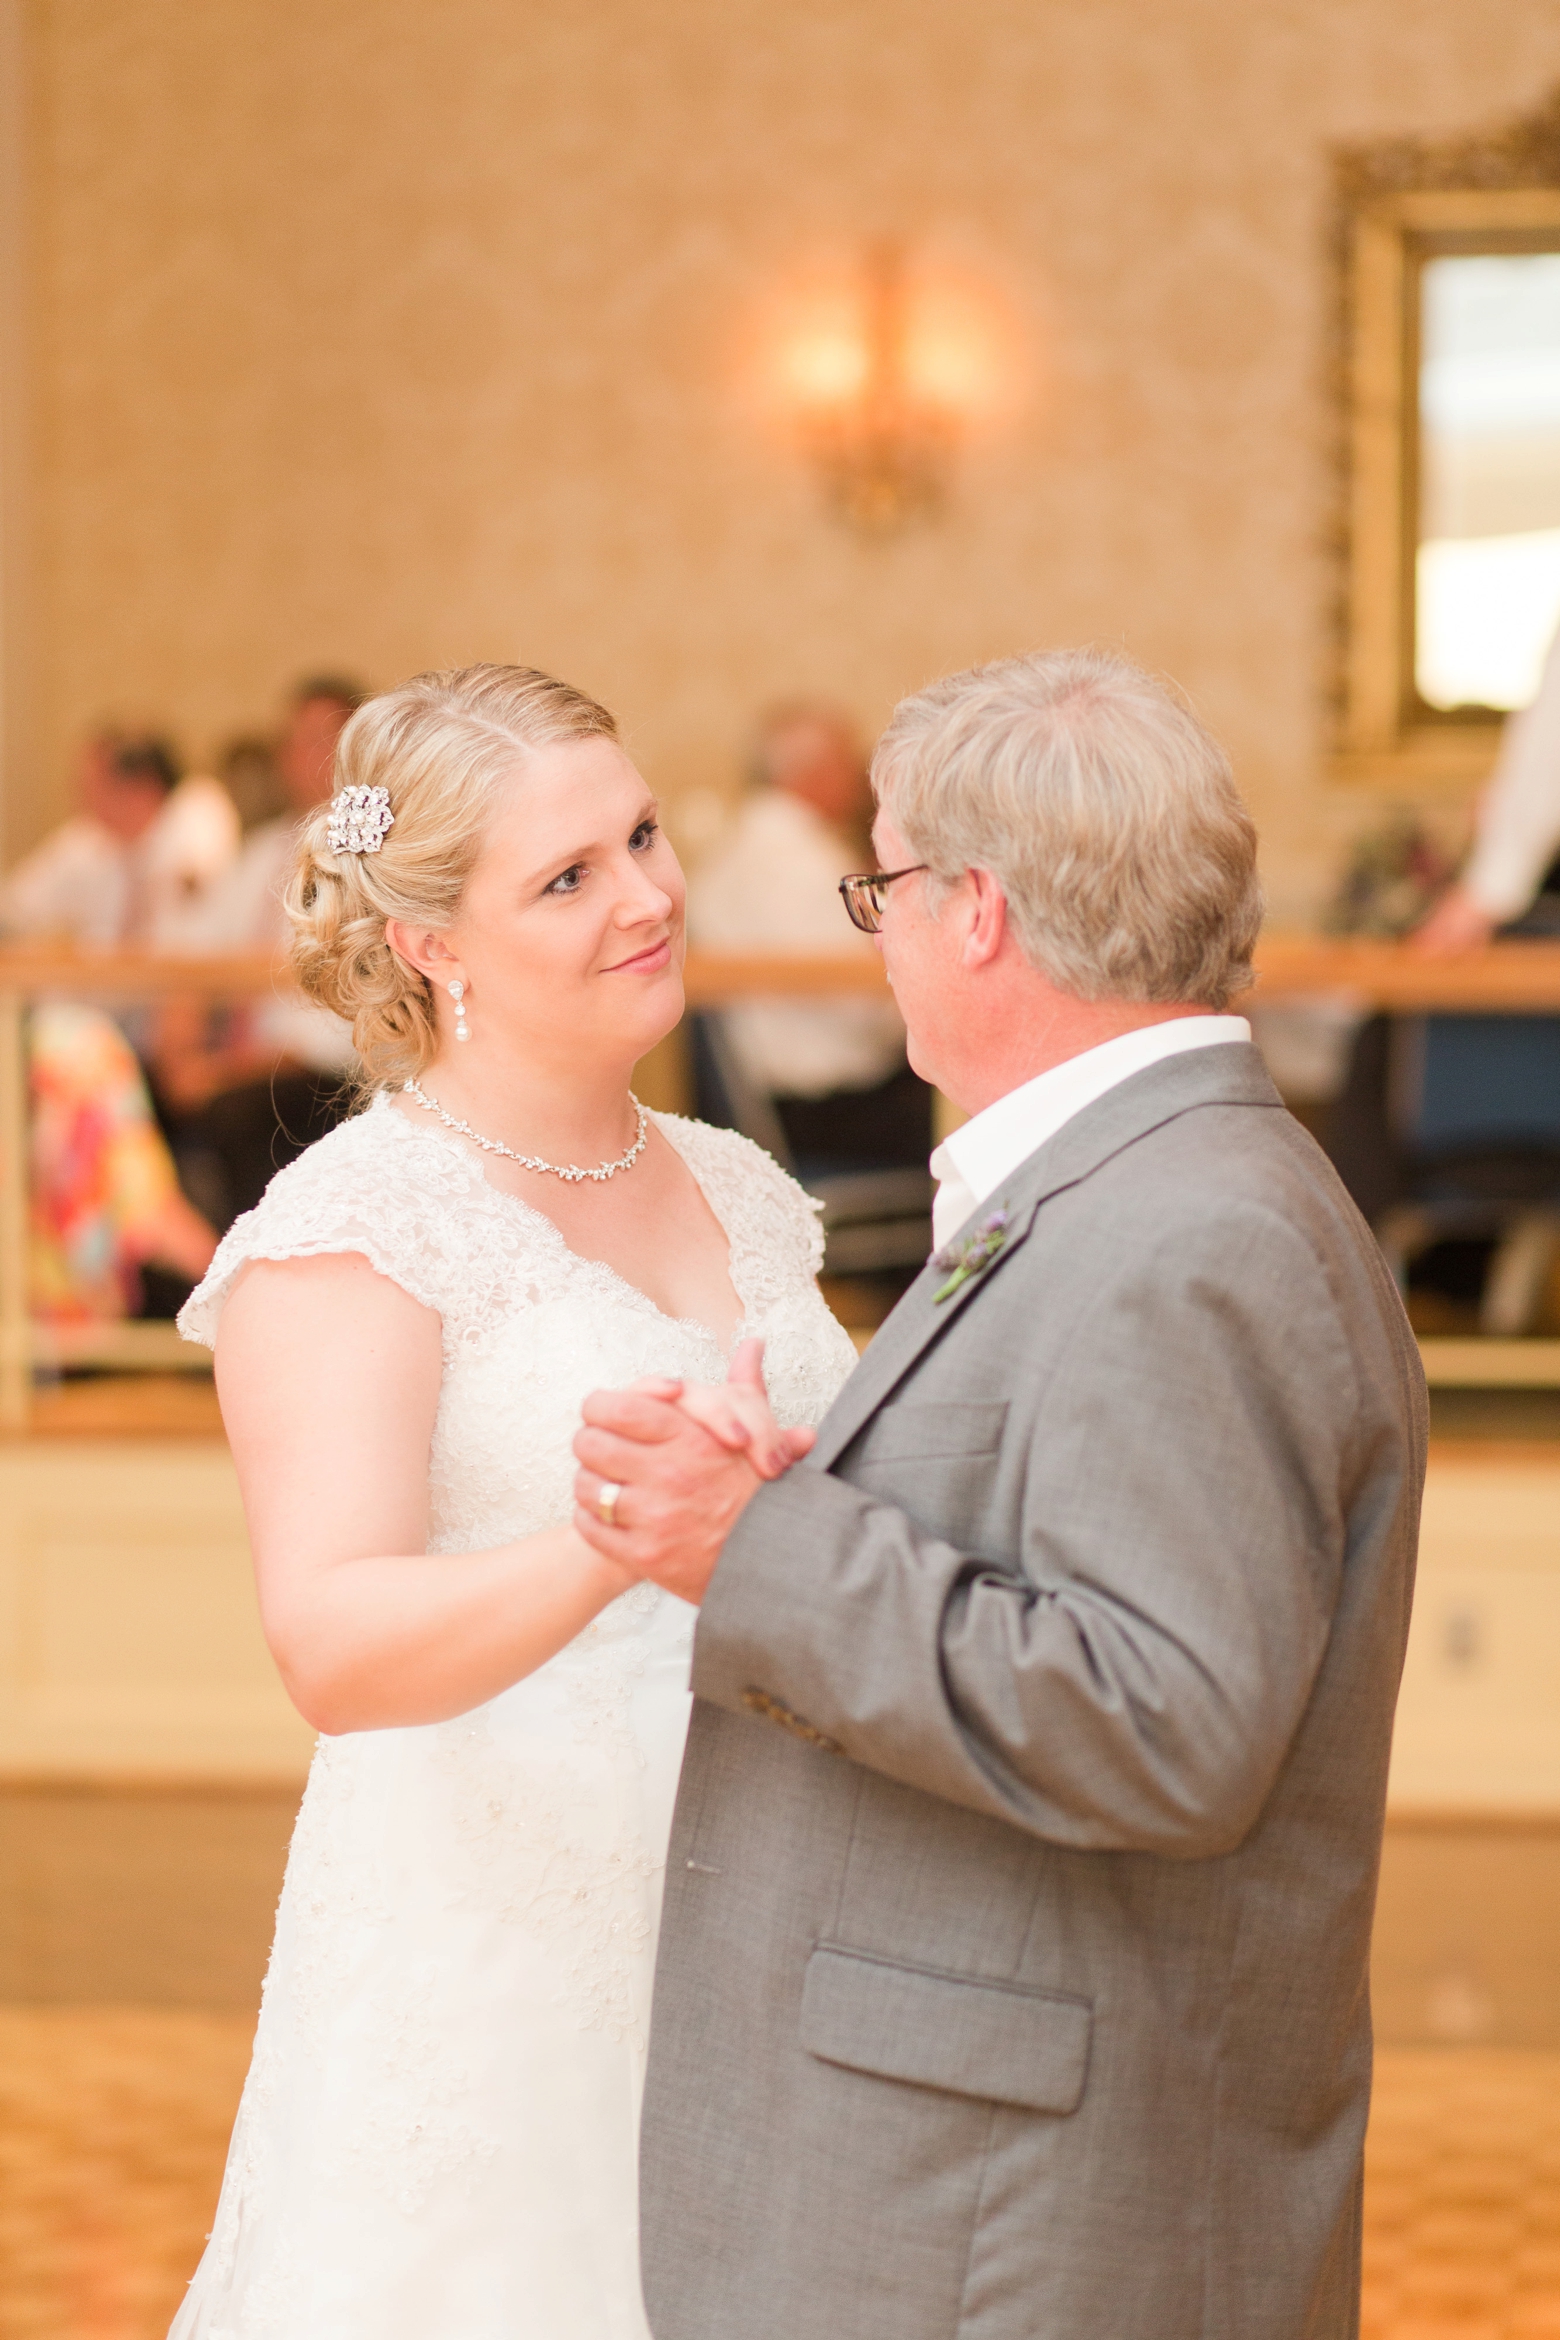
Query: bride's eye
x,y
570,882
645,835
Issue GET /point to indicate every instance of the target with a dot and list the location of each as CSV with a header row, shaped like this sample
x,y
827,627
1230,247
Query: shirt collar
x,y
972,1162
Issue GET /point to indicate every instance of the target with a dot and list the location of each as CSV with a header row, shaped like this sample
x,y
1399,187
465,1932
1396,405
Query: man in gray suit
x,y
1013,1976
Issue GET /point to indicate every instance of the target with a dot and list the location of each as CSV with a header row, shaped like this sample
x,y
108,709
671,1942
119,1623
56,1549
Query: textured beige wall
x,y
381,333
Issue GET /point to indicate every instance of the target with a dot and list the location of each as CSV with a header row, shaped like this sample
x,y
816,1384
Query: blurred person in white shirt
x,y
1513,866
269,1077
139,856
835,1067
109,1231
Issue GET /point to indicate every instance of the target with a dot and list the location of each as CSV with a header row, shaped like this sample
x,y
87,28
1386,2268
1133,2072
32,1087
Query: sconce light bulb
x,y
828,371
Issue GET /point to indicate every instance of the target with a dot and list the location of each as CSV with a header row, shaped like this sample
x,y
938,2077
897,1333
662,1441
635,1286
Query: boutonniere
x,y
971,1255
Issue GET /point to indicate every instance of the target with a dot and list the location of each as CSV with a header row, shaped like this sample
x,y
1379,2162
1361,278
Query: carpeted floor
x,y
1462,2196
114,2122
113,2129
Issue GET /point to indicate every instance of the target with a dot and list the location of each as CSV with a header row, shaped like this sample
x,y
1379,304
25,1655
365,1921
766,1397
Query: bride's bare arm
x,y
329,1379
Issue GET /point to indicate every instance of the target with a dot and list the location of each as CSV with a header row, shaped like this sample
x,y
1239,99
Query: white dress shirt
x,y
974,1161
1519,815
85,885
74,887
188,850
774,886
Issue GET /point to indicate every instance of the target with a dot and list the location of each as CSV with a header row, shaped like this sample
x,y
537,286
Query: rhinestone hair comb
x,y
359,818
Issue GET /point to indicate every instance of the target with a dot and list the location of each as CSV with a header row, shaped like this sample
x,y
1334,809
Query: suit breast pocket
x,y
937,1462
936,1433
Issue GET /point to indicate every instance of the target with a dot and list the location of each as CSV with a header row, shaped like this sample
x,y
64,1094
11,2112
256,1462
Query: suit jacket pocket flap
x,y
916,1433
1005,2041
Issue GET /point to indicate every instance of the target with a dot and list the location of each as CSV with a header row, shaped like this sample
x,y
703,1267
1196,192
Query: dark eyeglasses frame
x,y
862,894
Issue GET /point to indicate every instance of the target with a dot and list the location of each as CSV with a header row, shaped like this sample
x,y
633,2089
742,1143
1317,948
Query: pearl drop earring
x,y
462,1028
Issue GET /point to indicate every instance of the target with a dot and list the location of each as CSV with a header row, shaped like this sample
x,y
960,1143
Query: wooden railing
x,y
1513,976
1508,978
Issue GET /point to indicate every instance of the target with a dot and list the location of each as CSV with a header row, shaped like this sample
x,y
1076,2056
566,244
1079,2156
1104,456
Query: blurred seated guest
x,y
190,848
834,1067
247,1091
83,882
144,848
1444,1130
107,1216
248,771
1512,878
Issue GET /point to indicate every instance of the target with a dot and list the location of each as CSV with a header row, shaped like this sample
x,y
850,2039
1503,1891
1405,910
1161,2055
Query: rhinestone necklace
x,y
568,1171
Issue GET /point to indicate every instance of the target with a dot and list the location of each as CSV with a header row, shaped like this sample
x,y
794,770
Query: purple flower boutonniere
x,y
971,1255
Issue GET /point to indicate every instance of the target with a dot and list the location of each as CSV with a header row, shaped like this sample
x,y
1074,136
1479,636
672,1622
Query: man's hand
x,y
682,1492
687,1459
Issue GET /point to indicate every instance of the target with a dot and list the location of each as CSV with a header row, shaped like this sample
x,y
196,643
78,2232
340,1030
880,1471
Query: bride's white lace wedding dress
x,y
437,2140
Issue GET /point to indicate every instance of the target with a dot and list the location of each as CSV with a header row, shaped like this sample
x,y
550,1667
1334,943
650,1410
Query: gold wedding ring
x,y
607,1502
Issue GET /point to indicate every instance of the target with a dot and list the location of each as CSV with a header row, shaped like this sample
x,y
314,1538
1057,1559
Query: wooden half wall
x,y
130,1643
130,1646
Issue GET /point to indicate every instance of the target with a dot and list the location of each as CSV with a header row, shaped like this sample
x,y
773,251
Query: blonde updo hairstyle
x,y
444,747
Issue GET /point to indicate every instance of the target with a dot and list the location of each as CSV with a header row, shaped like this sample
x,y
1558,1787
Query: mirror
x,y
1449,443
1487,550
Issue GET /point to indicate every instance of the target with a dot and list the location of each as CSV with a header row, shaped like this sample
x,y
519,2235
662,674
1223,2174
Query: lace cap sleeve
x,y
346,1193
761,1203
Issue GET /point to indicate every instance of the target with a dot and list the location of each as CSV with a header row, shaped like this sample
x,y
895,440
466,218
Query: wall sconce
x,y
882,394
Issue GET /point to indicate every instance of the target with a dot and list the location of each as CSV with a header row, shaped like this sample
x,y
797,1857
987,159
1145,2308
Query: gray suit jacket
x,y
1012,1982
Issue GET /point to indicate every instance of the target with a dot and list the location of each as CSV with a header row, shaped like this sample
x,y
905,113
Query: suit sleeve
x,y
1137,1682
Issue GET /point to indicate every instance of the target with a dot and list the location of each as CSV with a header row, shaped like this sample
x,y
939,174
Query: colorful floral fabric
x,y
101,1173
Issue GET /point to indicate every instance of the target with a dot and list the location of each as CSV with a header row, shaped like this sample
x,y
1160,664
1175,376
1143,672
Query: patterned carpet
x,y
1462,2196
113,2130
114,2121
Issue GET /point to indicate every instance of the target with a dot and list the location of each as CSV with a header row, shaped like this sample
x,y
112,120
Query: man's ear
x,y
988,919
428,952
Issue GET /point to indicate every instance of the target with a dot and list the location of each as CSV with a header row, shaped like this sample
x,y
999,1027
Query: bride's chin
x,y
658,1011
665,1012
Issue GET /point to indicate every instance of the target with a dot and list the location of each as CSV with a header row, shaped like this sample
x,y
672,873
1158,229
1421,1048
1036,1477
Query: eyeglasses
x,y
863,894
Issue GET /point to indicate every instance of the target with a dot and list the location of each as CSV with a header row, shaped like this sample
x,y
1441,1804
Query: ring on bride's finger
x,y
607,1502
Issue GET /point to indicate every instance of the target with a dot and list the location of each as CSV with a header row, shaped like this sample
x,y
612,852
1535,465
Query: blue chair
x,y
1474,1107
1481,1085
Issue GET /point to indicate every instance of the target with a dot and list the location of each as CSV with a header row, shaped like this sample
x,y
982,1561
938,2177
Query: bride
x,y
437,2140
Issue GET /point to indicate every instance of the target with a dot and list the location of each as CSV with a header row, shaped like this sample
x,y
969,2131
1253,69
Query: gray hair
x,y
1105,811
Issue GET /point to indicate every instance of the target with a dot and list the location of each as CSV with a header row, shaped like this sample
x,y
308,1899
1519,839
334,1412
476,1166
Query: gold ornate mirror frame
x,y
1399,204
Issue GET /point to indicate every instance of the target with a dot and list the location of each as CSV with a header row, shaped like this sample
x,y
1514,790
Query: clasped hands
x,y
687,1459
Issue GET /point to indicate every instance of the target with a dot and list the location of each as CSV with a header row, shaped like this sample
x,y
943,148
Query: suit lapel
x,y
914,1324
1231,1074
